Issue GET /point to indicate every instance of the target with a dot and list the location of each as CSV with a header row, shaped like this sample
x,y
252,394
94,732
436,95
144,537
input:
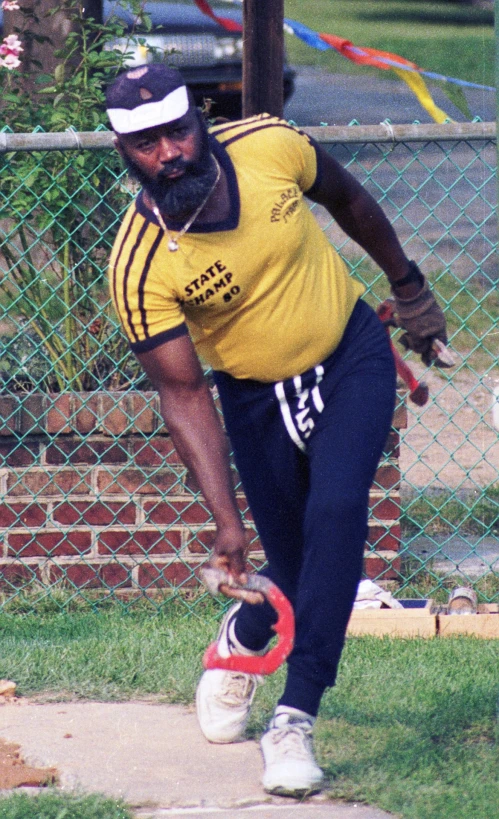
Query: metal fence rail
x,y
61,201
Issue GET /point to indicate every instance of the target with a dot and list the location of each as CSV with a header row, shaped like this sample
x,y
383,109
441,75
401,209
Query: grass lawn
x,y
410,727
452,39
61,806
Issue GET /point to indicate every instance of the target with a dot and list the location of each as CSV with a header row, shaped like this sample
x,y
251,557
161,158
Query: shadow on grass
x,y
466,17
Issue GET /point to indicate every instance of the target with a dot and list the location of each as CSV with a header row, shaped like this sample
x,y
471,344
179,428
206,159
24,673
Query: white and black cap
x,y
145,97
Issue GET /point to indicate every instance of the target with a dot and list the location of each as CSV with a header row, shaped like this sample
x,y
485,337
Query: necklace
x,y
173,243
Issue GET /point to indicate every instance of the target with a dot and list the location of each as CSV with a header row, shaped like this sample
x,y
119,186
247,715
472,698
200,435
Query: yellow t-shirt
x,y
264,295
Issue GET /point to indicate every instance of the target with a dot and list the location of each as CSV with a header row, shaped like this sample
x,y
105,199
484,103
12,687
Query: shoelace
x,y
237,688
293,739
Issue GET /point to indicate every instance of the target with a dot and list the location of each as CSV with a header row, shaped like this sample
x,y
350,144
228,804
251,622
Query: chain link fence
x,y
92,493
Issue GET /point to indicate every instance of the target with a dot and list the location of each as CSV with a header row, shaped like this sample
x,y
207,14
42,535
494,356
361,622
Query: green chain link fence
x,y
69,386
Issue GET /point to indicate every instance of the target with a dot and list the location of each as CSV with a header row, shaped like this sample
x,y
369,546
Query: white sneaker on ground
x,y
223,698
290,767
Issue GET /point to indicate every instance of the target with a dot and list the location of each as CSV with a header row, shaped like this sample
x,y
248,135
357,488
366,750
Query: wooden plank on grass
x,y
485,623
413,621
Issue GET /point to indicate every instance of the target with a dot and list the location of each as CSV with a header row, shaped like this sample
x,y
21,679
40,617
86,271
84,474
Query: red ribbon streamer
x,y
367,56
226,22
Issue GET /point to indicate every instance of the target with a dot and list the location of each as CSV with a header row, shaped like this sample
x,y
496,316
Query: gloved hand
x,y
423,322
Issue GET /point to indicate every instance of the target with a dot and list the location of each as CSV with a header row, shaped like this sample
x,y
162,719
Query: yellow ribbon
x,y
418,86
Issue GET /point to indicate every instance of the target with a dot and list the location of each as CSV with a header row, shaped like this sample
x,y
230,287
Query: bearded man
x,y
219,260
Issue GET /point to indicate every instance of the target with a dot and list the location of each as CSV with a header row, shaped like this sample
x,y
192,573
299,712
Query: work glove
x,y
423,322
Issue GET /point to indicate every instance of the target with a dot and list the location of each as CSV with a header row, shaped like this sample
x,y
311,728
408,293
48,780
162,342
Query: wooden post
x,y
263,57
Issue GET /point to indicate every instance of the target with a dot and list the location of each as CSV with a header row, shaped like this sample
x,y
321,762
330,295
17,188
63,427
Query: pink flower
x,y
10,50
12,44
10,61
10,5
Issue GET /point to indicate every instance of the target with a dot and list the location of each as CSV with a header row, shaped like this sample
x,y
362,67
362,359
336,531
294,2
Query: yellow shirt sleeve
x,y
146,304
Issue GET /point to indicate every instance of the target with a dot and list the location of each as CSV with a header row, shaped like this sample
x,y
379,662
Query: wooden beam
x,y
263,57
407,622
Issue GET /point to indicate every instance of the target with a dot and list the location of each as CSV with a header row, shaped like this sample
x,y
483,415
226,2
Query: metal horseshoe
x,y
284,628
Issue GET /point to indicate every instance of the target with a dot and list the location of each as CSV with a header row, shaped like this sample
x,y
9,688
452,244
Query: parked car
x,y
208,56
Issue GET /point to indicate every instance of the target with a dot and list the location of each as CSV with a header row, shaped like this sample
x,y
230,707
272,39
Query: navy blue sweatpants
x,y
307,450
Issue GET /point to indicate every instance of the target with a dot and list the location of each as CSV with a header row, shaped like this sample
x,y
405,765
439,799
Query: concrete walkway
x,y
155,758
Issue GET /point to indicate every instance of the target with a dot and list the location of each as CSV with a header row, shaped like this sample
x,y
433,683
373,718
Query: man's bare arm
x,y
361,218
359,215
193,422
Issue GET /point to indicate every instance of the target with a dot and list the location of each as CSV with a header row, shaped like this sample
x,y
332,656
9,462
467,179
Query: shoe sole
x,y
296,793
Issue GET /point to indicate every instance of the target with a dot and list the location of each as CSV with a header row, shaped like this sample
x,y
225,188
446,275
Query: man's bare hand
x,y
229,556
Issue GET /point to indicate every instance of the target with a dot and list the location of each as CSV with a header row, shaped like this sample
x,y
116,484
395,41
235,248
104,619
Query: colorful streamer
x,y
408,71
226,22
418,86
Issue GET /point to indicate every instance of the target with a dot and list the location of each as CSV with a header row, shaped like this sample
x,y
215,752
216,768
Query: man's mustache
x,y
171,167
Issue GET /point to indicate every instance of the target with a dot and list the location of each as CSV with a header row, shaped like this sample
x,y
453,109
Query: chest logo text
x,y
215,279
286,205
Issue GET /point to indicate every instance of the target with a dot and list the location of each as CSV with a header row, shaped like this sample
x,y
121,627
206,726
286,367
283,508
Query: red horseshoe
x,y
284,628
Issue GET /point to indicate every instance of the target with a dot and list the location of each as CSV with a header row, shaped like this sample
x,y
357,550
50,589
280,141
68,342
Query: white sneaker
x,y
290,767
223,698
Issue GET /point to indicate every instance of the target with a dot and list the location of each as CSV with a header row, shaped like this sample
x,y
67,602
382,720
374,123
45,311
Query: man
x,y
220,259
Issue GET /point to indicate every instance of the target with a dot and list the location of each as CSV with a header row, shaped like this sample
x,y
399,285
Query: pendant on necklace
x,y
173,243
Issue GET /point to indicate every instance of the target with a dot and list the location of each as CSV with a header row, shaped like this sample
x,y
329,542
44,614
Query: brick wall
x,y
92,494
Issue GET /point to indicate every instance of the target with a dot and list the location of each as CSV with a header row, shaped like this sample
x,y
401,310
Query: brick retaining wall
x,y
92,493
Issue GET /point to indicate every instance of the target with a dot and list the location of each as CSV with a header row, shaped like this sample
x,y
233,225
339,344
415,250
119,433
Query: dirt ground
x,y
451,441
14,771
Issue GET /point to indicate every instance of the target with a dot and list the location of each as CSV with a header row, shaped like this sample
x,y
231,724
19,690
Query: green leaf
x,y
59,73
41,78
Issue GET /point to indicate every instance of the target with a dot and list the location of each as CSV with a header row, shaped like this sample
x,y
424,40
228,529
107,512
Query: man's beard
x,y
180,197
